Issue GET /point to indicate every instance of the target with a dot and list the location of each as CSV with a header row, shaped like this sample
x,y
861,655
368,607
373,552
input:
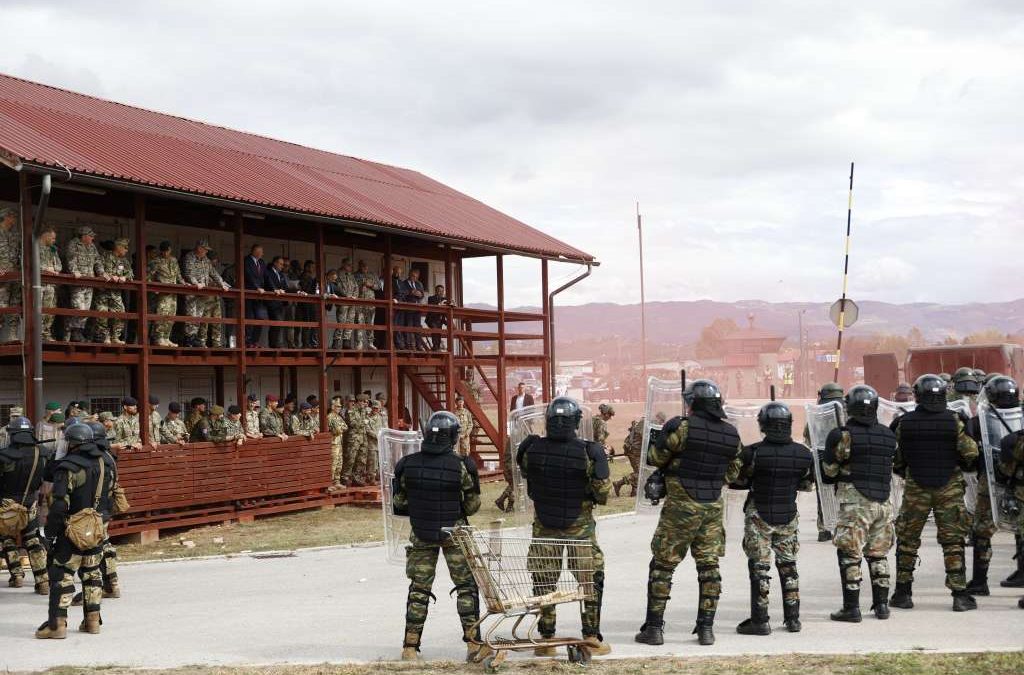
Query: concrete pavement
x,y
346,604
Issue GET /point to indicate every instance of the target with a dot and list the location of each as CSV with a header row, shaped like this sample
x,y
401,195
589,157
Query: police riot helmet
x,y
862,404
99,434
704,396
76,435
979,374
442,430
562,418
930,393
775,420
20,431
830,392
904,393
1002,392
965,382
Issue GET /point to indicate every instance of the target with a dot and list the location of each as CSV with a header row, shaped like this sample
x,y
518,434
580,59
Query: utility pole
x,y
643,299
846,277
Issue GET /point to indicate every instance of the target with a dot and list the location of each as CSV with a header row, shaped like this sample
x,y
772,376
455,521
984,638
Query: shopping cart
x,y
520,576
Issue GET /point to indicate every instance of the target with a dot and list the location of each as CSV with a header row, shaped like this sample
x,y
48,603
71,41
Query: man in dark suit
x,y
414,287
399,293
520,399
255,273
275,281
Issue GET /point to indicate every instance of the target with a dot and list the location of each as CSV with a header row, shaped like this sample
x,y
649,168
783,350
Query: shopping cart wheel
x,y
584,655
492,662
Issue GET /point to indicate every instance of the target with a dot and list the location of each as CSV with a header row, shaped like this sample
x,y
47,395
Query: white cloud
x,y
732,121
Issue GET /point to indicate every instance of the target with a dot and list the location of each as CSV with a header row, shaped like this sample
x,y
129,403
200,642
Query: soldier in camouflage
x,y
355,443
173,429
466,424
197,412
117,267
271,421
83,260
860,457
22,466
252,417
566,477
348,287
374,423
49,263
600,426
233,430
164,269
932,451
437,489
368,283
198,271
305,424
154,421
964,386
126,427
773,470
698,455
337,426
1011,465
210,428
10,262
631,448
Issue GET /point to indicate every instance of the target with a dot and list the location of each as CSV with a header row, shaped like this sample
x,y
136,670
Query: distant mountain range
x,y
680,322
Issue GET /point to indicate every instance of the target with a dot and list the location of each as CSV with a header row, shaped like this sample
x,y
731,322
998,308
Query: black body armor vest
x,y
928,443
710,445
433,485
778,470
872,450
556,474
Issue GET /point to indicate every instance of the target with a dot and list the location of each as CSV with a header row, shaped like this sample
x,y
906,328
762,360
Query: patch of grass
x,y
338,526
994,663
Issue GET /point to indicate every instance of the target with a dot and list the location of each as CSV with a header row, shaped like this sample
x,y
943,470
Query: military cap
x,y
272,398
154,400
380,396
234,410
202,243
291,398
305,406
376,404
362,398
217,410
350,397
198,400
8,211
106,416
606,408
121,241
165,245
53,405
85,231
174,407
128,400
57,417
346,261
252,397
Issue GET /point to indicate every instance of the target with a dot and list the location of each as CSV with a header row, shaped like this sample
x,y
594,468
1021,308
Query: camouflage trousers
x,y
947,502
10,296
634,465
33,544
864,529
336,459
108,563
80,298
166,305
368,469
106,327
200,305
760,541
49,298
350,314
686,525
465,447
421,568
68,562
353,458
215,331
983,526
546,560
364,338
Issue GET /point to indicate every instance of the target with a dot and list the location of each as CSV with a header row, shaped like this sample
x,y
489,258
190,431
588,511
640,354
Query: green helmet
x,y
964,381
979,374
830,392
946,377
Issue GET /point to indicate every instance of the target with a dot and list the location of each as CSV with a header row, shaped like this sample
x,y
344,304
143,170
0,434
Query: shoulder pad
x,y
672,425
597,455
524,446
470,465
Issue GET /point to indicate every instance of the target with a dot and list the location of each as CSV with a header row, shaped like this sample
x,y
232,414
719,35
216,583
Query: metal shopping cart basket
x,y
520,576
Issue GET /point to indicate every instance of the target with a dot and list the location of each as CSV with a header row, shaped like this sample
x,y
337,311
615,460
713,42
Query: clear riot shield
x,y
393,445
526,422
664,401
821,420
963,407
888,412
744,418
995,424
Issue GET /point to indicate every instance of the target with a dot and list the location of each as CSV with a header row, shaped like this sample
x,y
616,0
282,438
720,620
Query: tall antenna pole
x,y
643,299
846,277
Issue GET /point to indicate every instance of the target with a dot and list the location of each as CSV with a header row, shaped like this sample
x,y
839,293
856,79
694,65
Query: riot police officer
x,y
565,477
437,489
860,457
83,480
932,450
773,470
698,455
964,385
108,563
22,464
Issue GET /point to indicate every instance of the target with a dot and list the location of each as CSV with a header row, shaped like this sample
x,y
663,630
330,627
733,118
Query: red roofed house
x,y
149,177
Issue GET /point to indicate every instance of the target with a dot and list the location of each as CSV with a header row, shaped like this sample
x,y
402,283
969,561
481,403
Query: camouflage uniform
x,y
173,431
947,502
49,263
111,300
465,430
336,425
421,567
685,524
211,428
10,261
347,288
154,427
374,423
126,429
271,423
506,501
1011,464
193,419
600,429
252,422
164,270
85,260
198,270
368,282
355,441
233,429
305,424
20,490
632,447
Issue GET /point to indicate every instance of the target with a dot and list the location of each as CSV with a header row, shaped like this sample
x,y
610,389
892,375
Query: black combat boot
x,y
880,601
652,632
791,617
824,535
850,613
963,601
902,597
1016,580
705,628
978,585
757,624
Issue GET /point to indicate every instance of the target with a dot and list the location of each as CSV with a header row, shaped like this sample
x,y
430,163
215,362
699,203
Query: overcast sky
x,y
732,122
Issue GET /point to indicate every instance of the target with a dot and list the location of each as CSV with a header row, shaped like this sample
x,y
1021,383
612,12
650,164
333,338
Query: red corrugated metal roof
x,y
60,128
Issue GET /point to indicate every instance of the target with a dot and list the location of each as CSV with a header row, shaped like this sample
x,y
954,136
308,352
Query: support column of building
x,y
546,365
449,358
31,340
501,386
394,411
322,327
142,329
241,362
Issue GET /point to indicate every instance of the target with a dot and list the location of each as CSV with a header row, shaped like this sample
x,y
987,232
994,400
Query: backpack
x,y
85,528
13,515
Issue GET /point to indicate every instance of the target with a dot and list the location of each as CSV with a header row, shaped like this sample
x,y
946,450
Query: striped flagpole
x,y
846,278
